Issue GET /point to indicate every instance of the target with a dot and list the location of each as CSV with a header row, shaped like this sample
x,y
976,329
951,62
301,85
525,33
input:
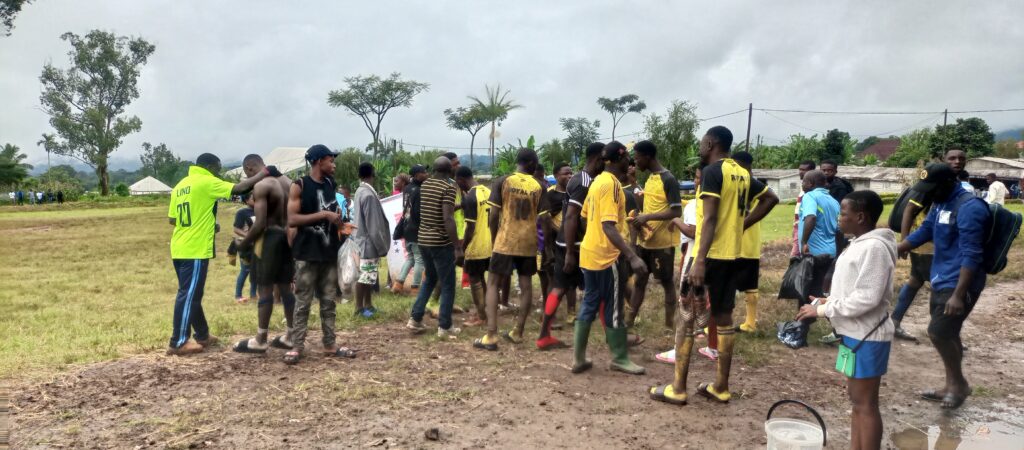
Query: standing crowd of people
x,y
34,197
597,232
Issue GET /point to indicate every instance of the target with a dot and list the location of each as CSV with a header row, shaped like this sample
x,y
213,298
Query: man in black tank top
x,y
313,210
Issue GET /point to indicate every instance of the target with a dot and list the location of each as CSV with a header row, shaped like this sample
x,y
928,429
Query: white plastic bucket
x,y
794,434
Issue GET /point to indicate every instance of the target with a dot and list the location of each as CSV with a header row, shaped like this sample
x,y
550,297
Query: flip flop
x,y
705,390
658,394
954,401
509,337
668,357
278,342
342,352
243,347
932,395
292,357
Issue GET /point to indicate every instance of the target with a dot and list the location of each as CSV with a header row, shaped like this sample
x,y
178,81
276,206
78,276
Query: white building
x,y
286,159
149,185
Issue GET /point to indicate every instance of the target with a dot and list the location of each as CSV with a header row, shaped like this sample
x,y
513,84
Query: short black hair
x,y
632,162
366,170
526,156
743,158
594,149
952,149
646,148
559,166
963,176
809,163
614,151
464,172
867,202
252,158
831,162
451,156
540,167
722,136
207,159
990,174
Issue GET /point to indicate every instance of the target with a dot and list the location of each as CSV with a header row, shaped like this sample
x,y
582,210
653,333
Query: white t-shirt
x,y
689,218
996,193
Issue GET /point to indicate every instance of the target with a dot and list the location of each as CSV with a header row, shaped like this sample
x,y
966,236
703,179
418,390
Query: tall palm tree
x,y
495,106
12,169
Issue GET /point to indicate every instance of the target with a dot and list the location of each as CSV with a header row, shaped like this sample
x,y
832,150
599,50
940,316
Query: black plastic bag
x,y
797,280
793,334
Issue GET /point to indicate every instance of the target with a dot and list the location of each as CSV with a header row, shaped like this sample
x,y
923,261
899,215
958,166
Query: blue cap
x,y
318,152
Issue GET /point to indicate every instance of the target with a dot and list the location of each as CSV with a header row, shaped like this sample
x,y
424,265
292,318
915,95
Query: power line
x,y
869,113
791,123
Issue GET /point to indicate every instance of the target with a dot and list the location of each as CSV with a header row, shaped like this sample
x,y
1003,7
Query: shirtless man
x,y
273,264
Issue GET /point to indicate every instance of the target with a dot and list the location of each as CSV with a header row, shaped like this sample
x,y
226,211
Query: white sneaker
x,y
416,327
450,333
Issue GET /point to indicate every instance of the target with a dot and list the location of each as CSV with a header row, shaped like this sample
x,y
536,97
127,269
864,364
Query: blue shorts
x,y
872,358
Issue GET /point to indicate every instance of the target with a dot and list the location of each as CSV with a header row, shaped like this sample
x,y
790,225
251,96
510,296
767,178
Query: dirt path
x,y
402,386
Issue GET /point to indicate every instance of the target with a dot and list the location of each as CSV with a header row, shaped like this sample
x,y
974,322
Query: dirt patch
x,y
401,387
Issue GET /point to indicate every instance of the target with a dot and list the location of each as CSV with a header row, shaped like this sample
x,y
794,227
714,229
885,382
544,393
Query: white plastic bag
x,y
348,265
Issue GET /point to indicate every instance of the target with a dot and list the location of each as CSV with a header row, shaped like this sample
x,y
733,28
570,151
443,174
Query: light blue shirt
x,y
820,204
342,205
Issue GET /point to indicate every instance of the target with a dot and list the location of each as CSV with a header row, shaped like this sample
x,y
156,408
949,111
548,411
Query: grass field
x,y
84,285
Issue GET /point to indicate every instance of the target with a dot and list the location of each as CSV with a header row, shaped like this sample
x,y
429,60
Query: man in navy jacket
x,y
956,225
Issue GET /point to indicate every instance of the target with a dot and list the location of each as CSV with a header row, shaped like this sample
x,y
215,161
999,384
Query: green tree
x,y
87,102
789,155
122,190
619,107
12,166
580,132
837,146
494,106
675,135
914,147
161,163
9,9
971,135
61,178
1006,148
553,152
371,97
470,120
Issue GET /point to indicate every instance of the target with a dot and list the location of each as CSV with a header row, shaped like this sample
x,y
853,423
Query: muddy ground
x,y
401,386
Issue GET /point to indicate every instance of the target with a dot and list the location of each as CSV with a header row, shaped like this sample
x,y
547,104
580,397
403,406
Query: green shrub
x,y
121,189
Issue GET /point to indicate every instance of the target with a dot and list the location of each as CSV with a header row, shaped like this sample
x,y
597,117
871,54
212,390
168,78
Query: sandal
x,y
341,352
954,401
706,390
932,395
511,337
667,395
278,342
292,357
243,347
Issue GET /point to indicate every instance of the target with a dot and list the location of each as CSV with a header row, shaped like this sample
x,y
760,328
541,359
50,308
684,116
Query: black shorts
x,y
476,267
747,272
563,280
948,327
525,266
720,283
660,262
275,264
921,267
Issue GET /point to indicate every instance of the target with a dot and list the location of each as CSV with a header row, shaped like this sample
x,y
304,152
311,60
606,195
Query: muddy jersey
x,y
517,196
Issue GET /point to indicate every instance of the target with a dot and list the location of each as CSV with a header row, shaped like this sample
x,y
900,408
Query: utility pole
x,y
750,113
945,113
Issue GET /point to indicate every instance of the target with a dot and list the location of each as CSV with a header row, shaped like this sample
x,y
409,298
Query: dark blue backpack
x,y
1005,226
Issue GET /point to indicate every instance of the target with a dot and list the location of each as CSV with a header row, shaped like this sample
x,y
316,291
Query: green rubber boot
x,y
616,338
580,335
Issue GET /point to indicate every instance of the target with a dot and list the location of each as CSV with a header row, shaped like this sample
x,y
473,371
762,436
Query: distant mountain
x,y
1014,134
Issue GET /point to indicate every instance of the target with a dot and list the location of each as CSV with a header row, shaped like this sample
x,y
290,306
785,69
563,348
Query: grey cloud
x,y
235,77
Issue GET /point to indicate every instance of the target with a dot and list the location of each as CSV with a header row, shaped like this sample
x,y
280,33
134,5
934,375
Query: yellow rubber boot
x,y
750,324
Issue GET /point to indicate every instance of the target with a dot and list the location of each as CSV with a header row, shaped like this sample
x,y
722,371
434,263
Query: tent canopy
x,y
287,160
149,185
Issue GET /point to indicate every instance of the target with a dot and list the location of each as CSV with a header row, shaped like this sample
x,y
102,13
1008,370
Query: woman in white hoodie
x,y
857,306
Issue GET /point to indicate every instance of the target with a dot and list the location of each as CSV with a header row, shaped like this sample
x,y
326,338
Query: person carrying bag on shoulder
x,y
857,306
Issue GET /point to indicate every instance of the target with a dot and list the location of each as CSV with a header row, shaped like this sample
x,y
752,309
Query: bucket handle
x,y
824,434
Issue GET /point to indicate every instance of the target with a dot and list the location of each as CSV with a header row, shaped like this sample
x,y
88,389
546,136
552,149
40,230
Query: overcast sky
x,y
234,77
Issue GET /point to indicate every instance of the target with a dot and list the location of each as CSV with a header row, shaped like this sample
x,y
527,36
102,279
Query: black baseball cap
x,y
417,169
933,176
318,152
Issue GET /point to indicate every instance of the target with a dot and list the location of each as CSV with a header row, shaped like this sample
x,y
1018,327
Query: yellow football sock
x,y
750,324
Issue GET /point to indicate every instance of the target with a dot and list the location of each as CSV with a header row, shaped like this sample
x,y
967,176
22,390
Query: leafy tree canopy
x,y
86,102
971,135
371,97
619,107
